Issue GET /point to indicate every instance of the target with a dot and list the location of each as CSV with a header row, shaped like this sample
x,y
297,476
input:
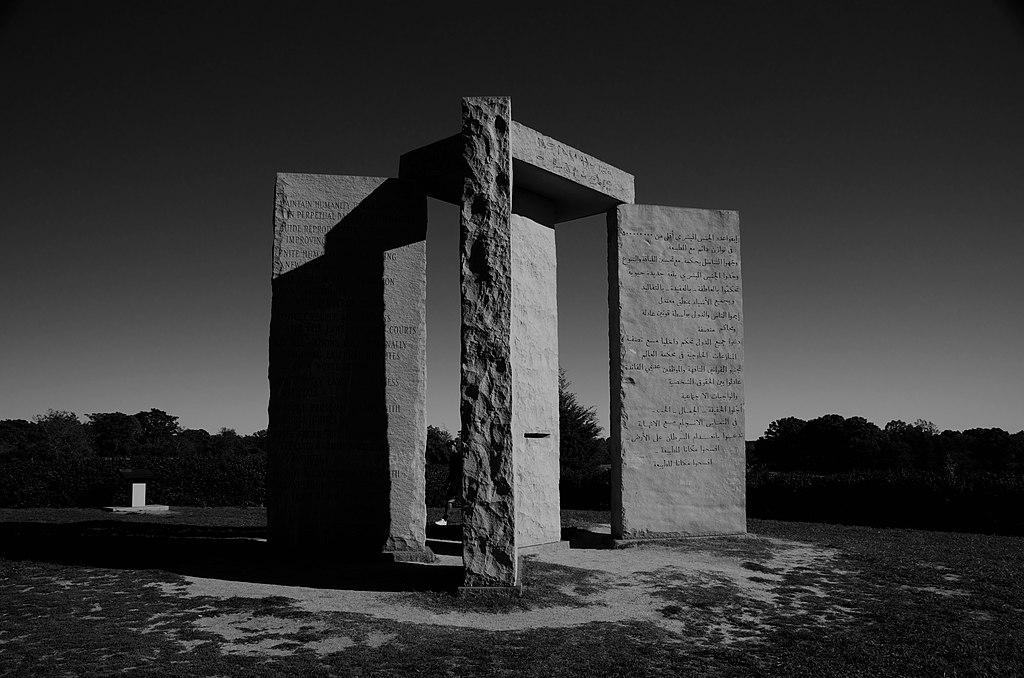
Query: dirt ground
x,y
720,584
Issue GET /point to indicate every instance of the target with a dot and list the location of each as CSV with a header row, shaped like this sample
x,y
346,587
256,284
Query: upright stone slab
x,y
534,358
347,366
676,343
514,184
489,533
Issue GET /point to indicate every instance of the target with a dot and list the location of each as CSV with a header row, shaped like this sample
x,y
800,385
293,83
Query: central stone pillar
x,y
489,530
514,186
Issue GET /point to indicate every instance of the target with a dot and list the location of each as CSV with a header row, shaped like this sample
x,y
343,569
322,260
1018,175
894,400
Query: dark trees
x,y
114,434
583,453
833,443
440,445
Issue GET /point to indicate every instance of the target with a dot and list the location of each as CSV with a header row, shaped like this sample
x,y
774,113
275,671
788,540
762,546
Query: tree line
x,y
150,433
835,444
827,444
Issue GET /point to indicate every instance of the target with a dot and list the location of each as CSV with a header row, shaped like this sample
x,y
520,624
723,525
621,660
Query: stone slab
x,y
640,541
489,533
579,184
424,556
676,343
347,366
138,494
576,183
148,508
534,359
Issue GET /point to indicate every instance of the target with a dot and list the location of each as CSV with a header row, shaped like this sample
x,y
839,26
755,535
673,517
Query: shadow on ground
x,y
586,538
215,552
178,541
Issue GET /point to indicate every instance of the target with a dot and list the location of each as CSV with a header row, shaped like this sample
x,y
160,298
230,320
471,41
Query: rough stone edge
x,y
489,540
629,542
532,147
615,370
417,460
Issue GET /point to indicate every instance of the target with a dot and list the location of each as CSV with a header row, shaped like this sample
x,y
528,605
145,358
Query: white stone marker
x,y
138,494
137,478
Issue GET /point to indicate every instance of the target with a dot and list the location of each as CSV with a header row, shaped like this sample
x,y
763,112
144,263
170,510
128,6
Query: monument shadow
x,y
329,477
227,553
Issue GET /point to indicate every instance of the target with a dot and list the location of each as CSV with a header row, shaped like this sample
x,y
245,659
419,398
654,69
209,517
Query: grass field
x,y
193,593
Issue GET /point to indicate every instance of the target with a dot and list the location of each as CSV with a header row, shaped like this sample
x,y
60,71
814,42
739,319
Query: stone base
x,y
491,591
148,508
627,542
424,556
543,548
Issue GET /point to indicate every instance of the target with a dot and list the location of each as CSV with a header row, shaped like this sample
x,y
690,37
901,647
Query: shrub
x,y
192,480
437,484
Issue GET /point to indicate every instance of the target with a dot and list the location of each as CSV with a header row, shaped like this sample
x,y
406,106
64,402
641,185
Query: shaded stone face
x,y
676,339
347,365
534,357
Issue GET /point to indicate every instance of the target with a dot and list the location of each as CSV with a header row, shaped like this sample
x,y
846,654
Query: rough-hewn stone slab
x,y
534,354
676,341
579,184
489,533
347,365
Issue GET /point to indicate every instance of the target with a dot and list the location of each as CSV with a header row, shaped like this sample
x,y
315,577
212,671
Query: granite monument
x,y
347,433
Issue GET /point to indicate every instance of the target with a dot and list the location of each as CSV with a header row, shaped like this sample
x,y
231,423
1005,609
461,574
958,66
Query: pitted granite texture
x,y
489,528
676,340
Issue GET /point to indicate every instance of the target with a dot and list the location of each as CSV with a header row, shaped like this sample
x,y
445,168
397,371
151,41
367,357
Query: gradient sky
x,y
875,151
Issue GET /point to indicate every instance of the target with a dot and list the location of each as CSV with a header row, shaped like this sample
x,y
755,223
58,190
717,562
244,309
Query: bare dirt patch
x,y
714,590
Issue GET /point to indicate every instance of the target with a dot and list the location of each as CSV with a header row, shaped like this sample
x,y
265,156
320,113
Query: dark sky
x,y
875,151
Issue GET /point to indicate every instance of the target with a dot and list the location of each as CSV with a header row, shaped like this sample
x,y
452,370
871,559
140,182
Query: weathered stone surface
x,y
534,357
489,532
347,365
573,183
578,184
676,342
